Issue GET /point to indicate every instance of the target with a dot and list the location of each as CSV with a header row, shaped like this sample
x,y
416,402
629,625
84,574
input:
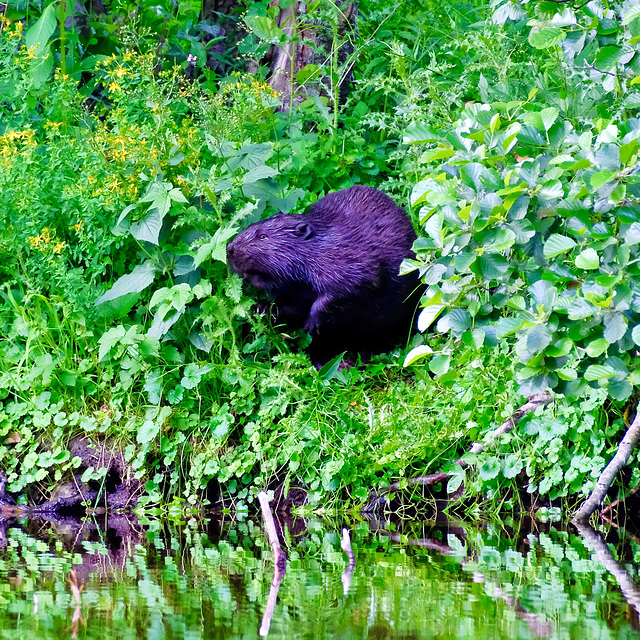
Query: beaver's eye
x,y
262,236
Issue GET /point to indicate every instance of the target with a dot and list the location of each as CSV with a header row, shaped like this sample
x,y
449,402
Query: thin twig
x,y
606,73
279,555
535,401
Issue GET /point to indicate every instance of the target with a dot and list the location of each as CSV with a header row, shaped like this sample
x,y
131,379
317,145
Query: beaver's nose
x,y
230,250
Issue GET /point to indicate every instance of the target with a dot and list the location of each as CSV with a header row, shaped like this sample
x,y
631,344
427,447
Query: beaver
x,y
335,271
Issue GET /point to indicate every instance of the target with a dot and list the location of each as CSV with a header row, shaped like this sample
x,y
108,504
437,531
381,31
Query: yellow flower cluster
x,y
46,242
13,144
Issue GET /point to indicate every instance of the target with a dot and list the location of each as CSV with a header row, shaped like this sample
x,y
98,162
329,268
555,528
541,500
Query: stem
x,y
63,37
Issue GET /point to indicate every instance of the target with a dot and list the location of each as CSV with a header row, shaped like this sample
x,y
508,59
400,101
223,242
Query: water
x,y
158,580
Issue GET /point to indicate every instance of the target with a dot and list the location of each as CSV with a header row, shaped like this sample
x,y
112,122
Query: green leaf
x,y
307,72
588,259
598,372
615,327
493,265
631,14
439,365
538,338
417,353
140,278
264,27
259,173
512,466
109,340
607,58
428,315
597,347
490,468
507,326
149,431
548,117
545,37
148,229
557,244
635,334
601,178
41,67
331,368
37,37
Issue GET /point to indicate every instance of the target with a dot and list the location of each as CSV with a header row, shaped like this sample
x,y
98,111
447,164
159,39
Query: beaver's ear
x,y
304,230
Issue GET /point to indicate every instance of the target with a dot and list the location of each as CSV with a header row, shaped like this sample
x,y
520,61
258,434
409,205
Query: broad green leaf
x,y
493,265
512,466
635,334
545,37
149,431
140,278
601,178
439,365
259,173
632,13
507,326
110,339
615,327
148,229
37,37
597,347
490,468
548,117
417,353
428,315
419,133
557,244
588,259
538,338
330,369
41,67
264,27
307,72
607,58
598,372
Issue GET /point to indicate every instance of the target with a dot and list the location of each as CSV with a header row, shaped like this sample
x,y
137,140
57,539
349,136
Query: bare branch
x,y
607,477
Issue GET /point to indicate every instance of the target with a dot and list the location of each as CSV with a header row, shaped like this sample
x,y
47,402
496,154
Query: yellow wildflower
x,y
59,247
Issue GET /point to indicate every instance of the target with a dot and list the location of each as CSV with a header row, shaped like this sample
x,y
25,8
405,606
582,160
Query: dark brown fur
x,y
334,271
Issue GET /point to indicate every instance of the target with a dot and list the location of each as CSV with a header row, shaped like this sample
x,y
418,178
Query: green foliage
x,y
511,130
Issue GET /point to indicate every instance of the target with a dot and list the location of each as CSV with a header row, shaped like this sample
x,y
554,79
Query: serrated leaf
x,y
149,431
110,339
493,265
416,354
588,259
598,372
139,279
545,37
557,244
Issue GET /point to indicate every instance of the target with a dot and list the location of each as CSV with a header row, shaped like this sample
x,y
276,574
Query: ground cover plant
x,y
128,159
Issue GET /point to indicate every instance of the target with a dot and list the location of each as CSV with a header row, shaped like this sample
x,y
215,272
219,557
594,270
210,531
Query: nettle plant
x,y
532,215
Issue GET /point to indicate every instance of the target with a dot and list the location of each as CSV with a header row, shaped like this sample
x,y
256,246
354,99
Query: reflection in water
x,y
123,578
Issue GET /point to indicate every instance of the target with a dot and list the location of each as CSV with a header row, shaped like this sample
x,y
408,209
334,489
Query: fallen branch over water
x,y
345,543
535,401
619,460
280,563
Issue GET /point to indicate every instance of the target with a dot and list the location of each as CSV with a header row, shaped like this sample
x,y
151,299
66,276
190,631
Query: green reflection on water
x,y
160,581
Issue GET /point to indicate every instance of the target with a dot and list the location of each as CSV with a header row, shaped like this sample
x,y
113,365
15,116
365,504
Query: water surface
x,y
154,580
